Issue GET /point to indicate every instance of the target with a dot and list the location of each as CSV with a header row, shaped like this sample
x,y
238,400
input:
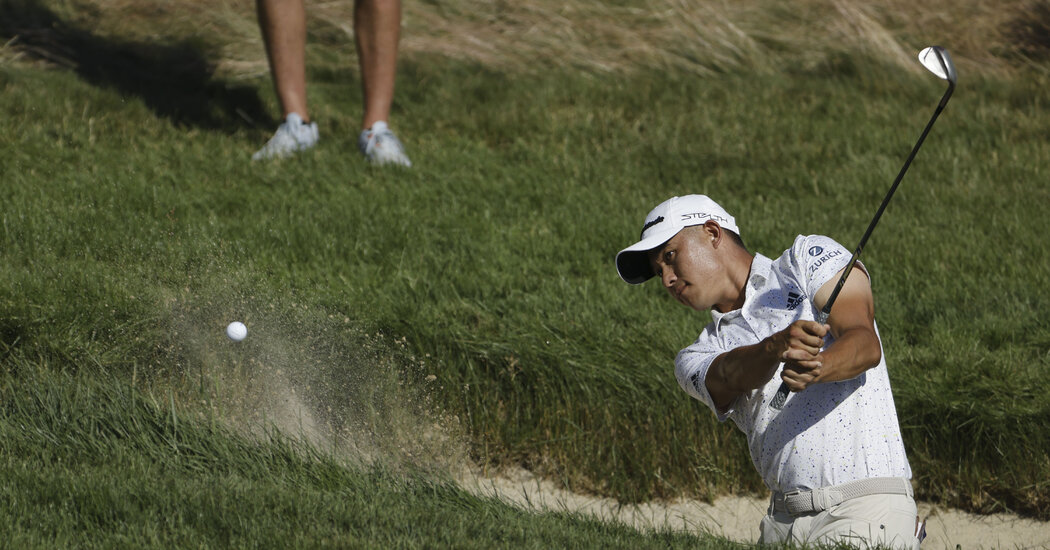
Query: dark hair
x,y
732,235
737,239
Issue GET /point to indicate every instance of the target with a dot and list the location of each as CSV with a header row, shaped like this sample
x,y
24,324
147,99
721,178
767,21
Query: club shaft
x,y
782,393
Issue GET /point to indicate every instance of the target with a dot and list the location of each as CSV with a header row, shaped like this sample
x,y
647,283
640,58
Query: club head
x,y
938,62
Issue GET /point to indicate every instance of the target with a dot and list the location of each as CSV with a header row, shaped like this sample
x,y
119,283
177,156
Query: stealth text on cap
x,y
703,215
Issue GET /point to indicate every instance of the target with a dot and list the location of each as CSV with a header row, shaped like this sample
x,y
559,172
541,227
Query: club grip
x,y
777,403
780,398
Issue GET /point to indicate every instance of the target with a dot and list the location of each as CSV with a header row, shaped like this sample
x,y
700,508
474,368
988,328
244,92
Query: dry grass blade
x,y
860,29
535,35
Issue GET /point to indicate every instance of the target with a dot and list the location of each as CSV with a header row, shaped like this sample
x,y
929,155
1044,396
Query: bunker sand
x,y
736,517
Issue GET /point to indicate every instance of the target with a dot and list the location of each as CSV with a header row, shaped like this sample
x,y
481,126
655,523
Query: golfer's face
x,y
686,267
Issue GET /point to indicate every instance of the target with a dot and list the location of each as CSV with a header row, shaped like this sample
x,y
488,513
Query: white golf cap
x,y
664,222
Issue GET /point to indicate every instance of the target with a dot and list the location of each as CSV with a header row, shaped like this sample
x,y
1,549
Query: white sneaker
x,y
380,146
291,137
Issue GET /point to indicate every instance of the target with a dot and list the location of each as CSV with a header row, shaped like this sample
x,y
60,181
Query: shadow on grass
x,y
174,79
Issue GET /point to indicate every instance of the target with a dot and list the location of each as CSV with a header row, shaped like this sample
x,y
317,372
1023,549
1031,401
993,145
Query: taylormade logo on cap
x,y
663,223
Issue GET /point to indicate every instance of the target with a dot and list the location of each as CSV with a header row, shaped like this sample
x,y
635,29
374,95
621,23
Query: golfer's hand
x,y
800,345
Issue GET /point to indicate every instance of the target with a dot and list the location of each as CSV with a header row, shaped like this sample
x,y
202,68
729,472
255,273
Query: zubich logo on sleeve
x,y
820,261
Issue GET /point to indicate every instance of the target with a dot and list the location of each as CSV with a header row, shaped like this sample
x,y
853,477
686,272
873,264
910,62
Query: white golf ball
x,y
236,331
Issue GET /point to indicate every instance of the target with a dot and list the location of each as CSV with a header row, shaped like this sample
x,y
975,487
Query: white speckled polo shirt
x,y
828,434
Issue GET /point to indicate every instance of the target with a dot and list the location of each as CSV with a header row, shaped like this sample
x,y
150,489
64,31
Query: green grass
x,y
89,462
134,228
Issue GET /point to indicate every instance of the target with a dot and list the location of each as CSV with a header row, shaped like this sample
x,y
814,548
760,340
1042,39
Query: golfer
x,y
833,457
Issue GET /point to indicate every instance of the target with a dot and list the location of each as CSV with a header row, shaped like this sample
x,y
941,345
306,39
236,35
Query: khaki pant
x,y
887,520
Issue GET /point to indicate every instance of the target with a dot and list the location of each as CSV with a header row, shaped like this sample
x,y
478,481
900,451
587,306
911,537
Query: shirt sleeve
x,y
816,259
691,366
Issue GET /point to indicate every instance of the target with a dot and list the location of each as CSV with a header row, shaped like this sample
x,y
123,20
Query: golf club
x,y
938,62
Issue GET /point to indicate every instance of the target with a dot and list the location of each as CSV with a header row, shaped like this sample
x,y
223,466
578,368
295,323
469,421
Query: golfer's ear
x,y
712,231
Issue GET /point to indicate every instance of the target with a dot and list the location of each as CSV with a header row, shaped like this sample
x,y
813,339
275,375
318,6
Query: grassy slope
x,y
89,462
128,242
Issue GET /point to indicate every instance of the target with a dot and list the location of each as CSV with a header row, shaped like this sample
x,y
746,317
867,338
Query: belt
x,y
803,501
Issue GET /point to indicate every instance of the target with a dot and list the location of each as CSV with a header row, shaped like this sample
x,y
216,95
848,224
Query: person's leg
x,y
888,520
283,25
771,531
377,28
775,527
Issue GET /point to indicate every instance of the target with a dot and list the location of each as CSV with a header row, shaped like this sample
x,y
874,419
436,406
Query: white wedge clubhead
x,y
938,62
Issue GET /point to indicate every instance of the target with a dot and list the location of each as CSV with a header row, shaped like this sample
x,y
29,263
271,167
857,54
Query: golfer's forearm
x,y
746,368
853,352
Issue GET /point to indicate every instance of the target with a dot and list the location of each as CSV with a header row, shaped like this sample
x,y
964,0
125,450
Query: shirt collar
x,y
761,267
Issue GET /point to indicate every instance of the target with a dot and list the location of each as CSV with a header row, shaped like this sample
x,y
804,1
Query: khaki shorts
x,y
887,520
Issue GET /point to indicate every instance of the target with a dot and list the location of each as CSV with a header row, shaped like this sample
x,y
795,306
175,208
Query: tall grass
x,y
477,291
709,37
90,462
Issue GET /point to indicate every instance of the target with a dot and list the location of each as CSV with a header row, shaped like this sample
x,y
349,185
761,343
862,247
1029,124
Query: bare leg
x,y
377,28
283,24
